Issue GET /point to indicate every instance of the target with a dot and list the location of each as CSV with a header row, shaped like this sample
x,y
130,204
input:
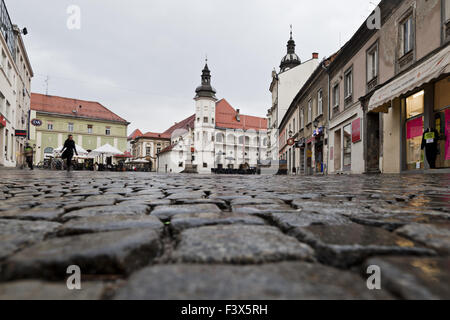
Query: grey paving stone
x,y
436,236
186,195
261,209
117,252
414,278
241,244
346,245
256,201
168,211
89,203
137,209
193,220
110,223
288,220
278,281
39,290
16,234
49,214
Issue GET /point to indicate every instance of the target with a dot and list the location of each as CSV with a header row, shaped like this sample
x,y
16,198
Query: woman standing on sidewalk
x,y
68,150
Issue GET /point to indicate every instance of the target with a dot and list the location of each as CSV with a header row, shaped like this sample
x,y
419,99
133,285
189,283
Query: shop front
x,y
416,108
319,139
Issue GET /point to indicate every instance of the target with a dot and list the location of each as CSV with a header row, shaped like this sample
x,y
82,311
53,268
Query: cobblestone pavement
x,y
148,236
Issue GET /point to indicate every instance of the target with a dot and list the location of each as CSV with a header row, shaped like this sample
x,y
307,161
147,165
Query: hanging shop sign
x,y
356,130
36,122
20,133
291,142
2,121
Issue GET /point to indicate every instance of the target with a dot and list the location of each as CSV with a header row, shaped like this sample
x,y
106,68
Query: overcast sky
x,y
143,58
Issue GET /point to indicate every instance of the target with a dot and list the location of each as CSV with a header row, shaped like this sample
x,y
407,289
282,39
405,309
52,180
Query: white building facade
x,y
284,87
15,82
217,137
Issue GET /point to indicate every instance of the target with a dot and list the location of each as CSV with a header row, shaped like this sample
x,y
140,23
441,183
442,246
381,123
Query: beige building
x,y
413,87
147,146
303,131
15,82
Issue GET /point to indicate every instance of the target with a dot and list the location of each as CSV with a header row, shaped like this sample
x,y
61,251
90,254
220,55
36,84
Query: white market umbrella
x,y
80,150
106,150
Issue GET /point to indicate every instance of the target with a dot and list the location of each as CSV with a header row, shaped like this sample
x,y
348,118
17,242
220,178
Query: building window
x,y
406,36
293,125
302,119
148,151
198,120
309,111
90,128
446,28
212,120
336,96
205,119
372,67
348,85
180,164
320,102
205,165
108,131
50,126
70,127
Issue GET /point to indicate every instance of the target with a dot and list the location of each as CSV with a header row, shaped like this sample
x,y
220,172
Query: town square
x,y
210,151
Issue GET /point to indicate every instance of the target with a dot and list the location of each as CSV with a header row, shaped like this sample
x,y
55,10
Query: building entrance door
x,y
373,143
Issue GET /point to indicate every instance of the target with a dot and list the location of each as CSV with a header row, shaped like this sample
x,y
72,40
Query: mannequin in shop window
x,y
430,144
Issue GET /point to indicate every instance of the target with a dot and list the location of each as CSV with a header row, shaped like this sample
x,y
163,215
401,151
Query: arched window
x,y
219,138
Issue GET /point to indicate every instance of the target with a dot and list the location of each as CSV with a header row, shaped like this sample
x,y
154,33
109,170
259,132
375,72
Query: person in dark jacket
x,y
430,144
68,150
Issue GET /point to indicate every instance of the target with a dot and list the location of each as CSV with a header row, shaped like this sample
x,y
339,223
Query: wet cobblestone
x,y
149,236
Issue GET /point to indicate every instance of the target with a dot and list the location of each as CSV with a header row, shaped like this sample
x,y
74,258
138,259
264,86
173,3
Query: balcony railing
x,y
6,28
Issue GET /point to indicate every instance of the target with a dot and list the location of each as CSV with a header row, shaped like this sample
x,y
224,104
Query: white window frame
x,y
70,126
336,95
50,126
372,63
90,129
309,111
407,35
302,119
319,102
348,83
107,131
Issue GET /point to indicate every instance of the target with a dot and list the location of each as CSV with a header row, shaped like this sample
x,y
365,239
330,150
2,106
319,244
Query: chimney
x,y
315,55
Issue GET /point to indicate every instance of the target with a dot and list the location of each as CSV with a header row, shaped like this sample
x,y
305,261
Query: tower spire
x,y
205,89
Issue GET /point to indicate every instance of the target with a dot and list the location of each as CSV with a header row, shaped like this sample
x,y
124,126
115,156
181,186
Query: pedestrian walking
x,y
430,144
28,152
68,151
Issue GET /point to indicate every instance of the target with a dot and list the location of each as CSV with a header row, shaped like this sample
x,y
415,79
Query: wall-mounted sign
x,y
2,121
356,130
291,142
21,133
36,122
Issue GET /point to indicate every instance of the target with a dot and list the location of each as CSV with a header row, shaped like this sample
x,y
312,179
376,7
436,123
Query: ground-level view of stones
x,y
149,236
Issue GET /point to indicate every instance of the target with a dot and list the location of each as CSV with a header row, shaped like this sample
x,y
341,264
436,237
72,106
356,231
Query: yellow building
x,y
91,124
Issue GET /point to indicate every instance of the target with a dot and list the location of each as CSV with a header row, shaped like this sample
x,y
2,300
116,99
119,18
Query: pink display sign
x,y
447,134
414,128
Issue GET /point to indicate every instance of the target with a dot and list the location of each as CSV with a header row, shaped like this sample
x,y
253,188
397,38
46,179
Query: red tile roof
x,y
66,106
226,118
169,148
136,133
187,123
155,135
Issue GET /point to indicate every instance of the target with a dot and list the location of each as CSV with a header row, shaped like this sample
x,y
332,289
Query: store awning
x,y
430,69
